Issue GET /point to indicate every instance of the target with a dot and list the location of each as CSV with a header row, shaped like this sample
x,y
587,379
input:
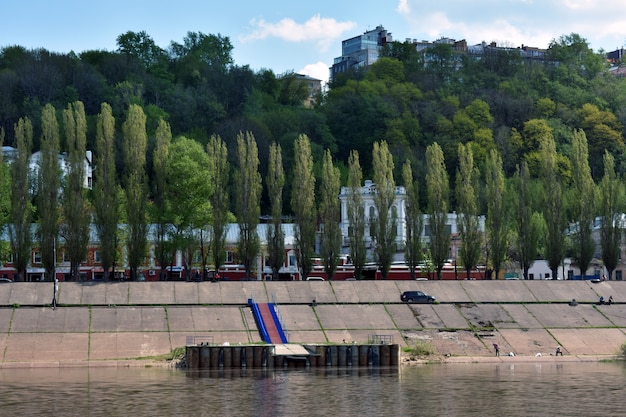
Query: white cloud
x,y
500,30
403,7
581,4
318,70
323,31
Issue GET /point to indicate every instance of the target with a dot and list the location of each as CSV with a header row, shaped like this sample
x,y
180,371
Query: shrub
x,y
420,348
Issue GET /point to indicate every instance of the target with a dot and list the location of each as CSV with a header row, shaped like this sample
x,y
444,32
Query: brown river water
x,y
537,389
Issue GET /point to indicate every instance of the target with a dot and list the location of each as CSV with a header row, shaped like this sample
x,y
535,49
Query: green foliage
x,y
275,181
248,183
303,204
384,224
408,99
420,348
438,188
330,215
356,214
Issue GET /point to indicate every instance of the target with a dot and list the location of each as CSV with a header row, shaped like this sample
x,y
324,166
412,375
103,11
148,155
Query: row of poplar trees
x,y
187,202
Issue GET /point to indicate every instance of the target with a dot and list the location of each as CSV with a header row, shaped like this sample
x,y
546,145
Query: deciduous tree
x,y
219,168
303,204
248,180
106,190
21,205
552,205
356,214
384,224
438,189
497,211
161,206
77,219
135,187
330,215
611,208
526,219
414,220
275,237
583,202
188,193
49,182
467,188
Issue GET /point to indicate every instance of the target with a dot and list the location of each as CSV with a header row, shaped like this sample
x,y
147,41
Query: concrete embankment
x,y
113,323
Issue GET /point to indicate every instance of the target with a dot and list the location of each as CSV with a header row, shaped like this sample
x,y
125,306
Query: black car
x,y
416,297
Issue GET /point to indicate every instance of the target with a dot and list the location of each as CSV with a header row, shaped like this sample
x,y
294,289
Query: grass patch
x,y
173,354
419,348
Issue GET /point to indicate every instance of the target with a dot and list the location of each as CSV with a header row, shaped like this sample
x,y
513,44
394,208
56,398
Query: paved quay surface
x,y
113,324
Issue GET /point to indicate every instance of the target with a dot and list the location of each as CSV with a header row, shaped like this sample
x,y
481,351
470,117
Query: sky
x,y
305,36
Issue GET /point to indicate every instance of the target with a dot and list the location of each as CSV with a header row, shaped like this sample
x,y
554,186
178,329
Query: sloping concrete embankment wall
x,y
101,323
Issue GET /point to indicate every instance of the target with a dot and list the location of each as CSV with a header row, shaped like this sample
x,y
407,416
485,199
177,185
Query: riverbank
x,y
129,324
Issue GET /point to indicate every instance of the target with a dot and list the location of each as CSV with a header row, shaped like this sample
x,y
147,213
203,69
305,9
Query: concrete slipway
x,y
113,323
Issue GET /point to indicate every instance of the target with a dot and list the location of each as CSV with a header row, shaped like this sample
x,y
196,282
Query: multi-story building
x,y
314,87
35,160
360,51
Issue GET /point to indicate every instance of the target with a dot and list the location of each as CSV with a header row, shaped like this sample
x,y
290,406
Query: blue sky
x,y
305,36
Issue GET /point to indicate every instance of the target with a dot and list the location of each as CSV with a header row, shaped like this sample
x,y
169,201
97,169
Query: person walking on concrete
x,y
558,351
497,349
54,296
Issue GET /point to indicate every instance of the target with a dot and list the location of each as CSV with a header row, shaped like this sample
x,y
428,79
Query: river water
x,y
540,389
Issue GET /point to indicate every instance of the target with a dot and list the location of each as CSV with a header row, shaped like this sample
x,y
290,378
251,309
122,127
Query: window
x,y
66,256
292,261
36,257
230,257
97,257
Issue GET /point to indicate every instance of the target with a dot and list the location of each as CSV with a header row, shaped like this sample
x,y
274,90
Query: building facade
x,y
360,51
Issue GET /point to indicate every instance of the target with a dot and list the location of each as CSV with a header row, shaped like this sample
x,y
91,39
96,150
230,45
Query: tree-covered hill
x,y
500,101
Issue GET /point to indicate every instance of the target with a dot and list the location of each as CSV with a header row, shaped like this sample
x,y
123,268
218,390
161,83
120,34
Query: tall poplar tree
x,y
356,214
275,236
49,180
106,190
583,202
135,187
219,167
414,220
497,211
553,205
467,192
384,224
21,205
330,215
76,222
527,220
438,189
249,187
5,192
303,204
610,206
161,207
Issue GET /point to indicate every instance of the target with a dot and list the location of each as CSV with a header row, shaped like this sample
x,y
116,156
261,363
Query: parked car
x,y
5,280
416,297
315,279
